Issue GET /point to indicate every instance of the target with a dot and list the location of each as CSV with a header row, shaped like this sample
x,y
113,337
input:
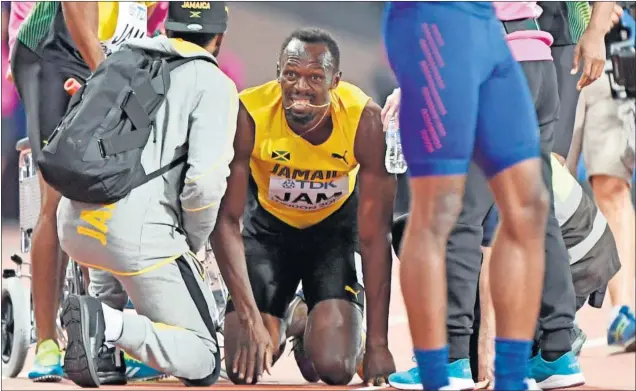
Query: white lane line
x,y
372,387
595,343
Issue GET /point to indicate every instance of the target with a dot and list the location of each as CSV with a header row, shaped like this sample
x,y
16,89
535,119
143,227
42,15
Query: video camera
x,y
621,64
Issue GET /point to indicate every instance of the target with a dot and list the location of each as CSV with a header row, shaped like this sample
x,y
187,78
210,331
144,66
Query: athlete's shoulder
x,y
262,96
351,95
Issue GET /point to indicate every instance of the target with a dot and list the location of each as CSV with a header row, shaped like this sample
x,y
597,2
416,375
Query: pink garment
x,y
528,45
19,11
9,94
232,66
155,23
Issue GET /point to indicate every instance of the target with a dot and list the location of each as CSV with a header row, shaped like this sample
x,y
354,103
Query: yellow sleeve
x,y
108,12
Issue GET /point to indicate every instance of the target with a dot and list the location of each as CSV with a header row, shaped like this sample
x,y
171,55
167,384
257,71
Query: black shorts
x,y
321,256
592,273
40,84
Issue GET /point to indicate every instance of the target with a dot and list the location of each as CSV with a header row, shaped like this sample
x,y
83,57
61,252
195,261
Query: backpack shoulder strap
x,y
176,63
176,162
161,82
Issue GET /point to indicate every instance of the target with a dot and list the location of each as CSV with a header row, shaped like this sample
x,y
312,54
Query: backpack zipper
x,y
154,132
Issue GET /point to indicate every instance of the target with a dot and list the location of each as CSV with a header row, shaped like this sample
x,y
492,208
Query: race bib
x,y
132,22
307,195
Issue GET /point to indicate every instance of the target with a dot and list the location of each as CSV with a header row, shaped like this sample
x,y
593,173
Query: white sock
x,y
114,323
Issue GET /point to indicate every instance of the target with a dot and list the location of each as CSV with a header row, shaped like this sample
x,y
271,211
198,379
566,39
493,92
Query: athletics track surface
x,y
603,368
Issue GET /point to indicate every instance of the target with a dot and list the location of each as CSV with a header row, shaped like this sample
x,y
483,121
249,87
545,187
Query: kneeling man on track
x,y
148,239
302,142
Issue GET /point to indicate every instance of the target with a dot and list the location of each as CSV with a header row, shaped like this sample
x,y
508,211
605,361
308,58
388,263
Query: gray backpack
x,y
94,154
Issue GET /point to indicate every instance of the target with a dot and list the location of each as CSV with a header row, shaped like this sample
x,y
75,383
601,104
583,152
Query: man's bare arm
x,y
82,21
590,49
375,211
601,18
227,242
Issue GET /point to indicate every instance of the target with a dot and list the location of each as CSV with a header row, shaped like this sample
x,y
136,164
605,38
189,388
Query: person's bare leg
x,y
435,205
48,265
518,254
486,348
613,197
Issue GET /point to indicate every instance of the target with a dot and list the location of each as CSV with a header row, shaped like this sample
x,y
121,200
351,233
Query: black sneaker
x,y
83,320
111,367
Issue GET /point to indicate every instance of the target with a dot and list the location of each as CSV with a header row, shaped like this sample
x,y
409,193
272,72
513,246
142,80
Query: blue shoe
x,y
48,363
460,378
139,371
562,373
408,380
622,330
460,375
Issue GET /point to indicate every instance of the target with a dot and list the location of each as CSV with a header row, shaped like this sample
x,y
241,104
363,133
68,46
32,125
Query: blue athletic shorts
x,y
463,95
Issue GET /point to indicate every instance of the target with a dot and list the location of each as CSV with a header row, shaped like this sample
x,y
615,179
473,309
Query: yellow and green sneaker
x,y
48,363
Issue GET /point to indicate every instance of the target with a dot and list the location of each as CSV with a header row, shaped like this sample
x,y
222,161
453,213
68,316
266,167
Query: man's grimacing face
x,y
306,76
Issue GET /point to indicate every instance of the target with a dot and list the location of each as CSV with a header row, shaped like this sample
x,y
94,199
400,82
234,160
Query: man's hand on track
x,y
255,351
377,365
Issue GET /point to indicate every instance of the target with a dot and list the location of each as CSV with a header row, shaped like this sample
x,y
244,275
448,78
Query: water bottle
x,y
394,159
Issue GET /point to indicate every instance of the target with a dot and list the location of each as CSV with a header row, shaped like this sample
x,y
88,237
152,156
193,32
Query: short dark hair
x,y
201,39
315,35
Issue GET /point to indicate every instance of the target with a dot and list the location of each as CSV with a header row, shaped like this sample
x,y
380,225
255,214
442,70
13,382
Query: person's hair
x,y
201,39
315,35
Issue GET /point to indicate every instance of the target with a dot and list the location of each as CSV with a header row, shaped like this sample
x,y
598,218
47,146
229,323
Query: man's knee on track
x,y
335,370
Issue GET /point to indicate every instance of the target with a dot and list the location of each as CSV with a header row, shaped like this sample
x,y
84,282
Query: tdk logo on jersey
x,y
281,156
197,5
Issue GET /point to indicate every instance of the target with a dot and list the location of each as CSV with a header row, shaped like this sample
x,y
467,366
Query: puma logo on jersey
x,y
354,292
342,157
